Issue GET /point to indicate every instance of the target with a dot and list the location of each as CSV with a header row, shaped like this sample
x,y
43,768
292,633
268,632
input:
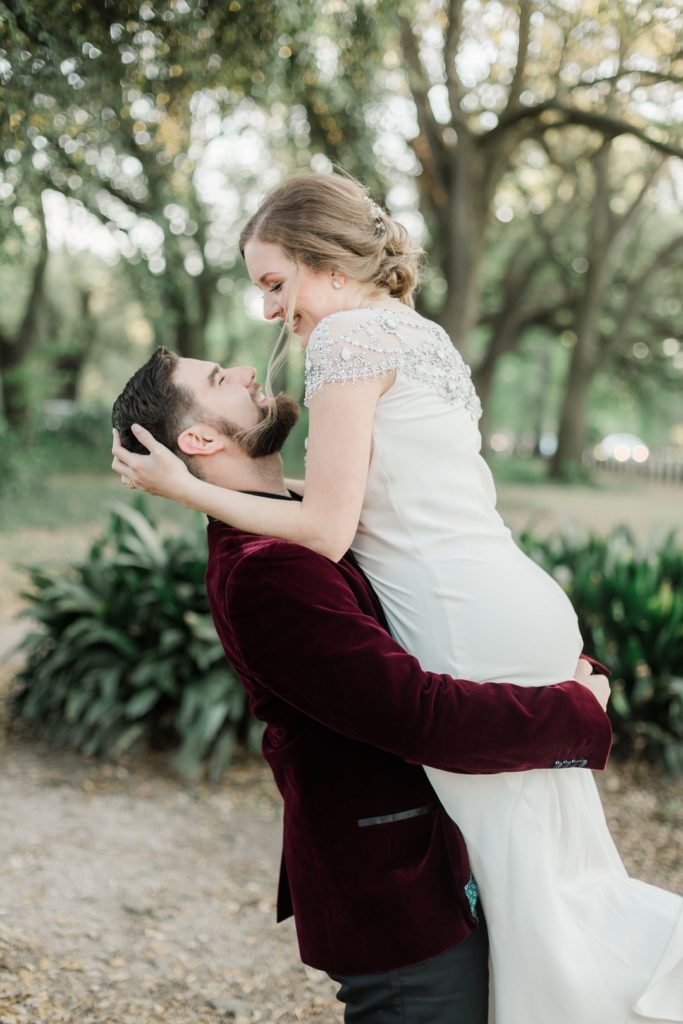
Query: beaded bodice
x,y
358,344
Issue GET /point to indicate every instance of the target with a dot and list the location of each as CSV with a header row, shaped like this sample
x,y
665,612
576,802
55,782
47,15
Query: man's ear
x,y
200,439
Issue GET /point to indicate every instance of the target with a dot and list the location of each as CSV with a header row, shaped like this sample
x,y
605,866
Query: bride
x,y
394,471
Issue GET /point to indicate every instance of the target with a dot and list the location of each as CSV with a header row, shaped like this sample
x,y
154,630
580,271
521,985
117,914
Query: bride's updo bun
x,y
399,268
329,222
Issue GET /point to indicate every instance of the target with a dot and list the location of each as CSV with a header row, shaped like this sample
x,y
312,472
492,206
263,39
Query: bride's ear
x,y
200,439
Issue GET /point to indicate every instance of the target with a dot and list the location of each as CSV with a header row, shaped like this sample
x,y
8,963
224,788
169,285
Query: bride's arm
x,y
339,443
295,485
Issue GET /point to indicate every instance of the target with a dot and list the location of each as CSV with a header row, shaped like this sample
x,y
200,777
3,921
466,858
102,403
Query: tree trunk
x,y
189,341
543,379
483,379
572,430
71,364
15,351
507,332
464,246
566,461
571,437
15,406
190,299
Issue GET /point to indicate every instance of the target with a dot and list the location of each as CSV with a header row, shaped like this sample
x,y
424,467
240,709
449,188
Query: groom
x,y
373,870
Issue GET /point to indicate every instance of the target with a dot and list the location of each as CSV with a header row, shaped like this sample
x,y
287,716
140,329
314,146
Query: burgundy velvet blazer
x,y
373,870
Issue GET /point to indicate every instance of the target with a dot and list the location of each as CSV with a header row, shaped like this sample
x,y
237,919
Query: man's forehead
x,y
194,369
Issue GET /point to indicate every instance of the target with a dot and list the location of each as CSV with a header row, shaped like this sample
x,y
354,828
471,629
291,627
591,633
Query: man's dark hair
x,y
151,399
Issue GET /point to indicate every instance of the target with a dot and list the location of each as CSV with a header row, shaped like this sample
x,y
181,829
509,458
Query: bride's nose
x,y
272,308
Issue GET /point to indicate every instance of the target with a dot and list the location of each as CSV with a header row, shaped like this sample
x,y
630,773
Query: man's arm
x,y
304,637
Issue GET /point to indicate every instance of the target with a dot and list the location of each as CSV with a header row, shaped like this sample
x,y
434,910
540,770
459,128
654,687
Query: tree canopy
x,y
533,147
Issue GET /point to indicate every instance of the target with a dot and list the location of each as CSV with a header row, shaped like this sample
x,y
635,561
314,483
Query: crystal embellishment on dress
x,y
381,340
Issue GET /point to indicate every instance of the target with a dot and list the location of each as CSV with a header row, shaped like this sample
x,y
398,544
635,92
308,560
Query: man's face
x,y
230,400
225,393
279,278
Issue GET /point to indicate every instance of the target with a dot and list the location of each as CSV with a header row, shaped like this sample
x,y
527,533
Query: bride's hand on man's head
x,y
161,472
597,684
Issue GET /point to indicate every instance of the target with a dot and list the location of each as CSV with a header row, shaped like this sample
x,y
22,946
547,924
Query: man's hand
x,y
598,685
160,472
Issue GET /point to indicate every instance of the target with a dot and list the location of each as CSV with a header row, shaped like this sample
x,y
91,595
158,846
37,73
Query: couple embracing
x,y
429,716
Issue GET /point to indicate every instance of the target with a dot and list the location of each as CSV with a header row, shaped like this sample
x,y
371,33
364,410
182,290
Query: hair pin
x,y
375,210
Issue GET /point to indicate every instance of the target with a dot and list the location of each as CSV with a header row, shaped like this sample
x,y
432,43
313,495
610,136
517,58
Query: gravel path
x,y
127,897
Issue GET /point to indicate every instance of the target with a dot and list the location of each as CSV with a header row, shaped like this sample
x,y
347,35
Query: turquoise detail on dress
x,y
472,893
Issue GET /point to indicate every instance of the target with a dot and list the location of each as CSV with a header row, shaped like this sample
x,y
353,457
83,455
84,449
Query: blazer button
x,y
582,762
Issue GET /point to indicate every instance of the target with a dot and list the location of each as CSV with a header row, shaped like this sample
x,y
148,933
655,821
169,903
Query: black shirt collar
x,y
293,496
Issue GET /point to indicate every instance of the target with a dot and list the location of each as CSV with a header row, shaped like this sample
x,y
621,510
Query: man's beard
x,y
269,436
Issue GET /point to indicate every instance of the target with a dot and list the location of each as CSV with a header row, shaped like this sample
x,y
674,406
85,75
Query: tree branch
x,y
636,293
656,76
522,52
65,161
609,126
627,218
26,333
432,153
454,85
515,313
550,236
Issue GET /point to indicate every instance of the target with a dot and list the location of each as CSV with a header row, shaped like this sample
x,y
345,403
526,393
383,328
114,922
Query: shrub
x,y
21,467
630,609
30,460
77,441
126,652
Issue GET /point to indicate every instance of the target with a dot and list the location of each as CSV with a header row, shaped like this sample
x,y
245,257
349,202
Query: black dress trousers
x,y
451,988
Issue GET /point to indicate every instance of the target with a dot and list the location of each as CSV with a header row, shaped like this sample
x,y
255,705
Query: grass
x,y
64,501
519,471
57,499
59,484
53,511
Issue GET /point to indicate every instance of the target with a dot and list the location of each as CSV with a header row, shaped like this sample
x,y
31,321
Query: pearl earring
x,y
336,283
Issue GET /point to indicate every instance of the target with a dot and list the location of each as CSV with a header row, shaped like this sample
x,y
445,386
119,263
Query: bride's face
x,y
292,289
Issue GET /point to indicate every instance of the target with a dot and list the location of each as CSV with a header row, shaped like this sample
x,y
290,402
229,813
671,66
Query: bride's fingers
x,y
116,446
132,461
127,457
148,440
120,452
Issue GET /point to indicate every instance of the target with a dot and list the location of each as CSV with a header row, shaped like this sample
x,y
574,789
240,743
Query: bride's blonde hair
x,y
329,222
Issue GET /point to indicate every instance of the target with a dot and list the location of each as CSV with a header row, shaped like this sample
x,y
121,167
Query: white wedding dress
x,y
573,939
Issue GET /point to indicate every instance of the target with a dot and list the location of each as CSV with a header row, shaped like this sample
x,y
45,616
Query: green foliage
x,y
630,609
34,490
20,469
125,652
79,441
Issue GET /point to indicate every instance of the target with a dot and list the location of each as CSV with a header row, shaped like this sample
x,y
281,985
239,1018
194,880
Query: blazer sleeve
x,y
303,636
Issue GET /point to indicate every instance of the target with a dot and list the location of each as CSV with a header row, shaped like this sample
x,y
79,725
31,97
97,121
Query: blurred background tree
x,y
534,149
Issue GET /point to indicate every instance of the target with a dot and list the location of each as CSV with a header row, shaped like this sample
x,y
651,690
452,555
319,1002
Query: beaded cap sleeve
x,y
358,344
